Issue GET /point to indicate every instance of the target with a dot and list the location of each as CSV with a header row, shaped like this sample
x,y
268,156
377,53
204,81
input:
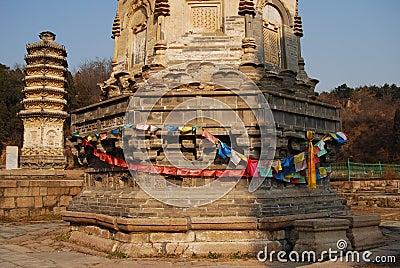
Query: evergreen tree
x,y
11,85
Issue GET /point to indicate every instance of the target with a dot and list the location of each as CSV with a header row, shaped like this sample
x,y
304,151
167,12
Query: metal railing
x,y
361,171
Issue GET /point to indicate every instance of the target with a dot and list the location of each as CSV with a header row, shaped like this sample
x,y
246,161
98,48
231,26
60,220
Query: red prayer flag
x,y
209,136
252,168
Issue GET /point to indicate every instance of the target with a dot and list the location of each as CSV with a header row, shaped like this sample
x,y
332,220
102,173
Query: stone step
x,y
139,205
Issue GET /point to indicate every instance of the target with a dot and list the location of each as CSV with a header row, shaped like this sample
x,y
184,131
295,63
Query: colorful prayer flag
x,y
339,137
288,166
128,125
153,128
321,148
142,127
115,131
103,136
264,168
172,128
277,165
235,158
185,130
252,168
224,150
209,136
300,162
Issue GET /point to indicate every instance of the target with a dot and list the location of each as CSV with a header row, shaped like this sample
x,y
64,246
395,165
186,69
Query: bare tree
x,y
85,80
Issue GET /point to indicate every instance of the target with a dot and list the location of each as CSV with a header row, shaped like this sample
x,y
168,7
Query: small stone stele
x,y
11,157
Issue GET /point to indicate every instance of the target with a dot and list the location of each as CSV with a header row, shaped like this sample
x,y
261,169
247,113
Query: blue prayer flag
x,y
224,150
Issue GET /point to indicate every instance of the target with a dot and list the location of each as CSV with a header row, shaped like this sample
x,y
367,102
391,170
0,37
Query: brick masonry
x,y
37,194
376,193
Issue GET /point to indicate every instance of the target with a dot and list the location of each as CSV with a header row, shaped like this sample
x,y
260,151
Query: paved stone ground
x,y
44,244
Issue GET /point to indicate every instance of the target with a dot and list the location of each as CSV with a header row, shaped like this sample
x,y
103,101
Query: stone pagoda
x,y
44,112
206,53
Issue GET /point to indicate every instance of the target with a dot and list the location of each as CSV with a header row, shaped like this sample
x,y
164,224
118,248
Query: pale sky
x,y
345,41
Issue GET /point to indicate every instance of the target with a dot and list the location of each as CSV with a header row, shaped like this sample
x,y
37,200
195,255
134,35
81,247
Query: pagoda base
x,y
113,215
43,161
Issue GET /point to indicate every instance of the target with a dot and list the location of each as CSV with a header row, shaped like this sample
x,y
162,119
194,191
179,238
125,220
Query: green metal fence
x,y
352,170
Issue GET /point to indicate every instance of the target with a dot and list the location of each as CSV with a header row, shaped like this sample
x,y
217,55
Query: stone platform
x,y
46,244
322,235
139,225
364,231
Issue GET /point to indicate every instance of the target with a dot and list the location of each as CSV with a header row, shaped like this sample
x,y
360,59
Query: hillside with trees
x,y
368,114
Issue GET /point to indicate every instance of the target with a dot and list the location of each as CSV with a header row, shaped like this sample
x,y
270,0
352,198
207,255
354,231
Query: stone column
x,y
246,9
162,10
250,64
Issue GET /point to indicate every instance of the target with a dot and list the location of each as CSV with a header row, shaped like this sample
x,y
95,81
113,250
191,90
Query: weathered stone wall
x,y
378,193
39,193
114,194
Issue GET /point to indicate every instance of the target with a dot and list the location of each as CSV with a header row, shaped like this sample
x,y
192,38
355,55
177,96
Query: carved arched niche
x,y
275,19
273,35
137,37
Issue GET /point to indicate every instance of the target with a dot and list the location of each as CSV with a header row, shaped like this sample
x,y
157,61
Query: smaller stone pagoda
x,y
43,115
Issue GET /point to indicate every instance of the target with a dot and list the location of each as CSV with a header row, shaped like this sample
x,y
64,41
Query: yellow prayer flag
x,y
243,157
312,173
185,130
277,165
298,158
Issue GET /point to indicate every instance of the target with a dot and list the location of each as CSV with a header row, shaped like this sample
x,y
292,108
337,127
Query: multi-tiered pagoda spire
x,y
43,114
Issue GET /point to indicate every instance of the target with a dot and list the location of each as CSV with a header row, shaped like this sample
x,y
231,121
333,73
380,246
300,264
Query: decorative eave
x,y
45,44
42,55
33,59
43,113
43,88
246,7
46,66
44,100
162,8
44,77
116,29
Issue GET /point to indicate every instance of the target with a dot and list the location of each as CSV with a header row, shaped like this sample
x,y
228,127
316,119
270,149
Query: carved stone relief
x,y
204,16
